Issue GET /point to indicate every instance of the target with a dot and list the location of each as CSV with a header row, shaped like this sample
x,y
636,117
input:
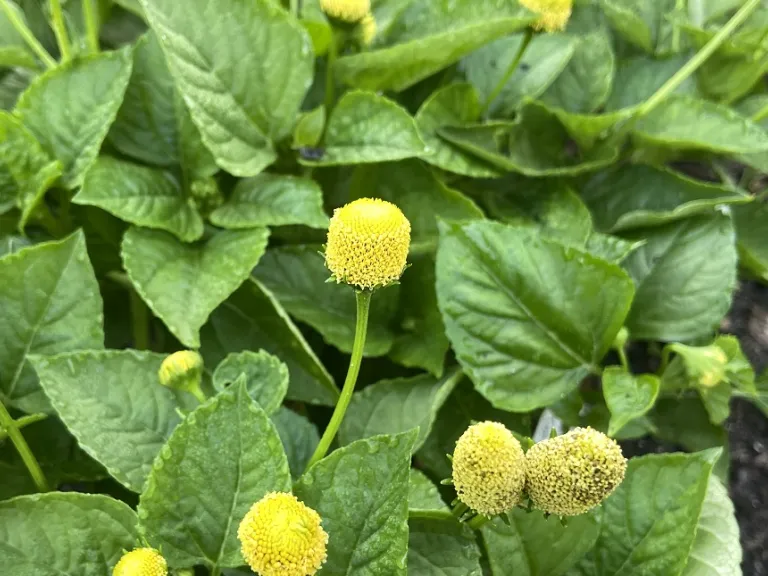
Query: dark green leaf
x,y
438,545
637,79
266,377
628,396
423,494
299,437
751,222
648,25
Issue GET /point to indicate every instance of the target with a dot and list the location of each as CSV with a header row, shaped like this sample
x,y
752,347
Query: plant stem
x,y
60,30
24,421
91,26
294,4
623,358
139,322
215,571
510,71
21,27
11,428
361,331
477,522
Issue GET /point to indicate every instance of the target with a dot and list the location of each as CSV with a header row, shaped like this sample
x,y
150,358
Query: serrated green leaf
x,y
628,396
299,437
266,377
142,196
685,274
158,265
523,313
70,108
394,406
361,493
230,440
297,276
51,304
113,403
535,545
423,494
638,196
272,200
238,120
64,534
751,222
438,545
365,128
252,318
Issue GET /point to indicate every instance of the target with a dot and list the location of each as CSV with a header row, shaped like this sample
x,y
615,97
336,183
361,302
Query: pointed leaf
x,y
266,377
628,396
299,437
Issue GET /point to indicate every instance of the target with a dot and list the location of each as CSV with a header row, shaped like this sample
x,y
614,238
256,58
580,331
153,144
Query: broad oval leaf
x,y
751,222
628,396
266,377
528,318
299,437
423,494
438,545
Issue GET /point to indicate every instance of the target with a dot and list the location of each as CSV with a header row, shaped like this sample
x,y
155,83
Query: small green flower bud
x,y
183,371
206,194
705,365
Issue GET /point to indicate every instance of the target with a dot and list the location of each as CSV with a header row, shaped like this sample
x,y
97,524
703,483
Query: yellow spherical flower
x,y
554,14
181,370
489,468
570,474
280,536
367,29
141,562
346,10
368,242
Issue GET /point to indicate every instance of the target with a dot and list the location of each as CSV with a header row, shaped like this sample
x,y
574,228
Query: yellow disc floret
x,y
141,562
367,29
346,10
488,468
368,242
570,474
553,14
280,536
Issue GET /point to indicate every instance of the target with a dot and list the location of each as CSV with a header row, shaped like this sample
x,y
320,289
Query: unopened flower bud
x,y
553,14
346,10
141,562
183,370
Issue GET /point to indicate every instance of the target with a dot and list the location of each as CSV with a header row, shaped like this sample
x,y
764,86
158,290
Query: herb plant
x,y
509,230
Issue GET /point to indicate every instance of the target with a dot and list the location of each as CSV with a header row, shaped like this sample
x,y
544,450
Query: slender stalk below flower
x,y
477,522
510,71
90,15
10,427
21,27
60,30
363,298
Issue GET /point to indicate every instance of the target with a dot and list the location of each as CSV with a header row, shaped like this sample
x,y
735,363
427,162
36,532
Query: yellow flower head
x,y
489,468
346,10
141,562
366,30
368,242
570,474
554,14
181,370
280,536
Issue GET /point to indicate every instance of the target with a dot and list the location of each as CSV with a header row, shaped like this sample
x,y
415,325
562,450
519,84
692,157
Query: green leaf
x,y
428,37
70,108
648,525
299,437
394,406
628,396
365,128
113,403
159,265
532,544
239,120
528,318
639,77
231,441
423,494
751,222
685,422
638,196
266,377
683,122
51,304
64,534
685,274
272,200
297,276
648,25
452,105
438,545
361,493
142,196
13,49
716,550
309,128
252,319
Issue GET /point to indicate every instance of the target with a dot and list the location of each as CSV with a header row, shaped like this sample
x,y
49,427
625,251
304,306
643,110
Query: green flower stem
x,y
139,321
24,421
60,30
21,27
90,15
459,510
510,71
11,427
623,358
477,522
361,331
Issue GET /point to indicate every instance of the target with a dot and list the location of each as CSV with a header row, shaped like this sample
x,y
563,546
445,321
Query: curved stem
x,y
361,331
91,26
11,428
623,359
21,27
510,71
60,30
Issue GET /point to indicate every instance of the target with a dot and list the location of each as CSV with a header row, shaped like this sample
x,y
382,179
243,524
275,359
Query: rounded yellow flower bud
x,y
346,10
368,242
488,468
141,562
570,474
554,14
280,536
367,29
181,370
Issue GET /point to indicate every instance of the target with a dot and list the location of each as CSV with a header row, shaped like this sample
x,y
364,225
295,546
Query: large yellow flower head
x,y
488,468
280,536
181,370
570,474
368,242
346,10
554,14
141,562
